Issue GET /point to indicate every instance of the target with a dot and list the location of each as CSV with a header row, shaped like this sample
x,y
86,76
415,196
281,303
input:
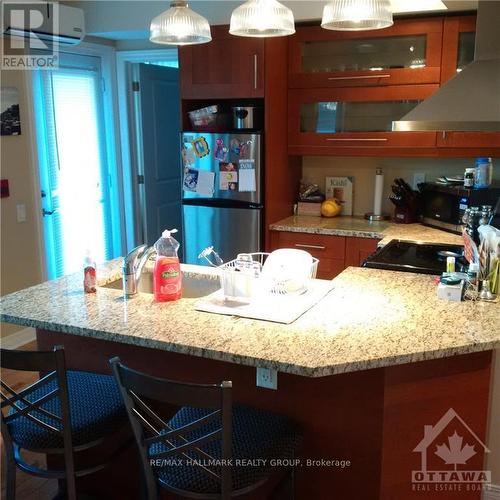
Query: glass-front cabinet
x,y
354,117
408,52
459,38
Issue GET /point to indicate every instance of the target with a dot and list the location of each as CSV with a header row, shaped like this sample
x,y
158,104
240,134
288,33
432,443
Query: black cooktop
x,y
414,257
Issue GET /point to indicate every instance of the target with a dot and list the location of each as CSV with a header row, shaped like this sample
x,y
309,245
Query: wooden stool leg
x,y
10,466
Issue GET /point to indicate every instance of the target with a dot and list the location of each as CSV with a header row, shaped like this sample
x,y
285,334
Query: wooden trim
x,y
282,174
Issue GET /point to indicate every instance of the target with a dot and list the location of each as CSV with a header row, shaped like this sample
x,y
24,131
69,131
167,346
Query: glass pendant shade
x,y
357,15
262,18
179,25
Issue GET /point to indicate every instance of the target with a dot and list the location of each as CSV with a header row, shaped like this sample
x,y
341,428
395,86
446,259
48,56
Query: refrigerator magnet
x,y
245,149
187,156
228,177
200,147
235,147
190,179
221,150
246,172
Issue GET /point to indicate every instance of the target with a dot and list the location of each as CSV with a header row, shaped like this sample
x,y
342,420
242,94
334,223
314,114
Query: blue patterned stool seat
x,y
257,434
96,409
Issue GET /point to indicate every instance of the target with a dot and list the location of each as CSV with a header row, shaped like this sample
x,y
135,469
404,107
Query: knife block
x,y
407,214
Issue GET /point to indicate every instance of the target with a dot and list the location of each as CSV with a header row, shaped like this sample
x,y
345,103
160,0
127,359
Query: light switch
x,y
21,212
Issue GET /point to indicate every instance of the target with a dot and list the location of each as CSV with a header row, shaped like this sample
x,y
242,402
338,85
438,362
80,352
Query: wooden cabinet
x,y
227,67
409,52
358,249
458,52
335,253
458,45
490,141
330,250
326,120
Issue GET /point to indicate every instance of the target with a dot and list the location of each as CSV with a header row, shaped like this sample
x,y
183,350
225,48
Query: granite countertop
x,y
359,227
370,319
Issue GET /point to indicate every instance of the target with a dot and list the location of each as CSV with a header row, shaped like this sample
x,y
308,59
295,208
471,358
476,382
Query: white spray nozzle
x,y
167,233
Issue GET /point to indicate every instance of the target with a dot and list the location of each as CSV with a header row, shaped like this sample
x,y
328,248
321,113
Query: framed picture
x,y
10,120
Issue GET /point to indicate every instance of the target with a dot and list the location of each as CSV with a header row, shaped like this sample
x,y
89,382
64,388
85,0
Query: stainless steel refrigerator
x,y
222,200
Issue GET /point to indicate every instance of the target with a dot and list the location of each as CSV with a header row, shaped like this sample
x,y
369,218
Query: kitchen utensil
x,y
211,256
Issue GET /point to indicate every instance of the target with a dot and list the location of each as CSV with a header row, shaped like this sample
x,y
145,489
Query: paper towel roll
x,y
379,188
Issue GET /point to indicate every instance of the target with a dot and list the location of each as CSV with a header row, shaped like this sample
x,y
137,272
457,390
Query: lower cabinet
x,y
358,249
335,253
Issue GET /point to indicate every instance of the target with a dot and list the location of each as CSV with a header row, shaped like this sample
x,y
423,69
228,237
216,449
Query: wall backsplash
x,y
316,168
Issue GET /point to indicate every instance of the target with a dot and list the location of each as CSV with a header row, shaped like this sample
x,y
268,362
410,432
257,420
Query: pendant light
x,y
179,25
262,18
357,15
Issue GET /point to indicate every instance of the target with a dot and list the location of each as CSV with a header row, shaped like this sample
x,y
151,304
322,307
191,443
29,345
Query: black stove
x,y
414,257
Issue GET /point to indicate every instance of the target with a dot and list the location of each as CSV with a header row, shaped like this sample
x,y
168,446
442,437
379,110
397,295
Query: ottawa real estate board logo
x,y
451,457
26,26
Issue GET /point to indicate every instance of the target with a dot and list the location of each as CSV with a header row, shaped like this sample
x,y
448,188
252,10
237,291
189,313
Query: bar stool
x,y
63,412
210,448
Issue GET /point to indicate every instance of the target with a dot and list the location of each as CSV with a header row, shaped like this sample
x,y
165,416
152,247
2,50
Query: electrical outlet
x,y
418,178
21,212
267,378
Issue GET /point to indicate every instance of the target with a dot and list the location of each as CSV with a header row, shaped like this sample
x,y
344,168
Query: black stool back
x,y
14,405
149,429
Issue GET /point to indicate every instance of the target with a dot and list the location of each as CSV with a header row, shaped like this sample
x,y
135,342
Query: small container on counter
x,y
89,273
450,264
469,177
483,174
450,288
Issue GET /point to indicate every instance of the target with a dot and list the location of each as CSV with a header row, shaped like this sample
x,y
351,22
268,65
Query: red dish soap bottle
x,y
167,278
89,273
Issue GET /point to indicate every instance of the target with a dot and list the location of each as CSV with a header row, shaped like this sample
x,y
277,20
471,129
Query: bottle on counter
x,y
483,174
167,278
469,177
89,273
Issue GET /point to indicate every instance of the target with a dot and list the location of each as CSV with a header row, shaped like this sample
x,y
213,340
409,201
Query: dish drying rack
x,y
244,277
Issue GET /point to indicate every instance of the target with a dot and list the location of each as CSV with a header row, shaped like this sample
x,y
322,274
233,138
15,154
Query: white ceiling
x,y
130,19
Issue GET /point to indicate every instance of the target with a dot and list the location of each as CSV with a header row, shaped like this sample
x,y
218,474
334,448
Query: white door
x,y
76,190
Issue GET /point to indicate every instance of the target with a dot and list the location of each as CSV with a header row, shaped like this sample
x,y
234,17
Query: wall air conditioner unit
x,y
52,23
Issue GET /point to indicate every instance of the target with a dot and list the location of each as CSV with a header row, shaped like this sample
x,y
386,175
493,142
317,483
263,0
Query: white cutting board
x,y
266,306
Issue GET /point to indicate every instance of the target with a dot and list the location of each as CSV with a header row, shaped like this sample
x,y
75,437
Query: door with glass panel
x,y
406,53
78,197
459,37
331,118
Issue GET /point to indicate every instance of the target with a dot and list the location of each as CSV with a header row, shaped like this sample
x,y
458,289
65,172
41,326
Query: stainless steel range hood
x,y
470,101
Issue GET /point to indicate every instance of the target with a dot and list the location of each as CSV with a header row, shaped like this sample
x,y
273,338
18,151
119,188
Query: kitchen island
x,y
363,371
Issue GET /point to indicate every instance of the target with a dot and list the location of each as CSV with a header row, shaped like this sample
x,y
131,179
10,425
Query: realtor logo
x,y
448,451
26,27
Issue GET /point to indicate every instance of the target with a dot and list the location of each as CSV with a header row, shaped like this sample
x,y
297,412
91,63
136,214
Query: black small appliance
x,y
444,206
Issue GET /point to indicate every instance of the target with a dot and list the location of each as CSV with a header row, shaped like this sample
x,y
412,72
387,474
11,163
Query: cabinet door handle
x,y
317,247
255,70
359,139
360,77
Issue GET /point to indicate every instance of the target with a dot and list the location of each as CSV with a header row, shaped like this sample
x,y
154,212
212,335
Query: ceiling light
x,y
262,18
357,15
401,6
179,25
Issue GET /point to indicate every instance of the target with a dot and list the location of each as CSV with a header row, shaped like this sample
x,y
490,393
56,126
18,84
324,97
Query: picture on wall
x,y
10,120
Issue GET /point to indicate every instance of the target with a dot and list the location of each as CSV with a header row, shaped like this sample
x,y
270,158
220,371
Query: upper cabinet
x,y
409,52
320,121
458,45
227,67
